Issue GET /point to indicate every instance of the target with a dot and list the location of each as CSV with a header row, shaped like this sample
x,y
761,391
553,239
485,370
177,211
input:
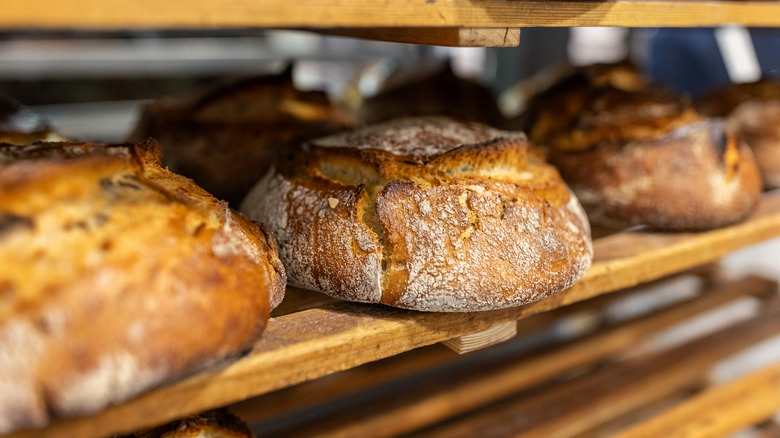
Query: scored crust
x,y
426,214
695,177
116,275
639,155
753,113
227,136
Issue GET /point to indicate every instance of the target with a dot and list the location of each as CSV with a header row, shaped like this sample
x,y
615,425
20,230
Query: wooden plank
x,y
719,411
316,342
576,407
125,14
339,385
436,36
484,338
398,414
421,360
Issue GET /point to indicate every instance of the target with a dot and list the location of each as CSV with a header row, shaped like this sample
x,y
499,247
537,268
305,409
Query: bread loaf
x,y
636,154
752,111
435,91
116,275
427,214
225,137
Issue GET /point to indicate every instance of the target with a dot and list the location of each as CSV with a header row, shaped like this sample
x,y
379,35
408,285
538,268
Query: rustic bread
x,y
639,155
753,113
227,136
116,275
426,214
213,424
430,92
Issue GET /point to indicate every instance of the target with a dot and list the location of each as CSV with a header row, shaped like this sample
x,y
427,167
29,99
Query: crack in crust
x,y
441,225
752,111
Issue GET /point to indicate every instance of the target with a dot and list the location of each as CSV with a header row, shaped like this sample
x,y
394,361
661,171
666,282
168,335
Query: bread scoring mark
x,y
232,241
447,255
309,232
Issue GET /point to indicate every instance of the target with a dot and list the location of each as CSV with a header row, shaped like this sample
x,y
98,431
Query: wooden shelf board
x,y
439,397
720,411
125,14
305,345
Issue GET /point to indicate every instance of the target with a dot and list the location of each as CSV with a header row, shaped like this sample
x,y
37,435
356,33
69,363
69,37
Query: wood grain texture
x,y
428,403
125,14
434,358
315,342
576,407
476,341
437,36
719,411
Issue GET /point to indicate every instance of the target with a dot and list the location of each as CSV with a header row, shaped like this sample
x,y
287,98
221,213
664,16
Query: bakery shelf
x,y
719,411
331,336
501,14
429,386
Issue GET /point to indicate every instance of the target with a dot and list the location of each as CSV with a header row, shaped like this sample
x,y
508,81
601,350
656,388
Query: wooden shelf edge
x,y
128,14
719,411
435,36
319,341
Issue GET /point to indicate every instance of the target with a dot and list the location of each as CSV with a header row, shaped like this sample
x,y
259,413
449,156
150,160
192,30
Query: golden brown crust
x,y
213,424
402,214
226,137
753,113
116,275
693,178
644,156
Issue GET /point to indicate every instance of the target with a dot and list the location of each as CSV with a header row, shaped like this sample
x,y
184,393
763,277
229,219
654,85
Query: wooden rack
x,y
313,336
529,392
444,22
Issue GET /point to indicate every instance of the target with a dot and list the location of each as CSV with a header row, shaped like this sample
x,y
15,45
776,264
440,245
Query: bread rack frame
x,y
316,337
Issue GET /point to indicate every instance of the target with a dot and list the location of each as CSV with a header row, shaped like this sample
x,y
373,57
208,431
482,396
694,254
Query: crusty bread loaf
x,y
427,214
213,424
436,91
227,136
639,155
116,275
753,113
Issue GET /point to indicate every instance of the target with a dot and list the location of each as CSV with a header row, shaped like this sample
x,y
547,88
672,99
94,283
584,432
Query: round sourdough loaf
x,y
639,155
427,214
752,111
224,137
116,275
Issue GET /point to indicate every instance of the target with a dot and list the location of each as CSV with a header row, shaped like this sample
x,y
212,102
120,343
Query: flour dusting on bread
x,y
457,217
